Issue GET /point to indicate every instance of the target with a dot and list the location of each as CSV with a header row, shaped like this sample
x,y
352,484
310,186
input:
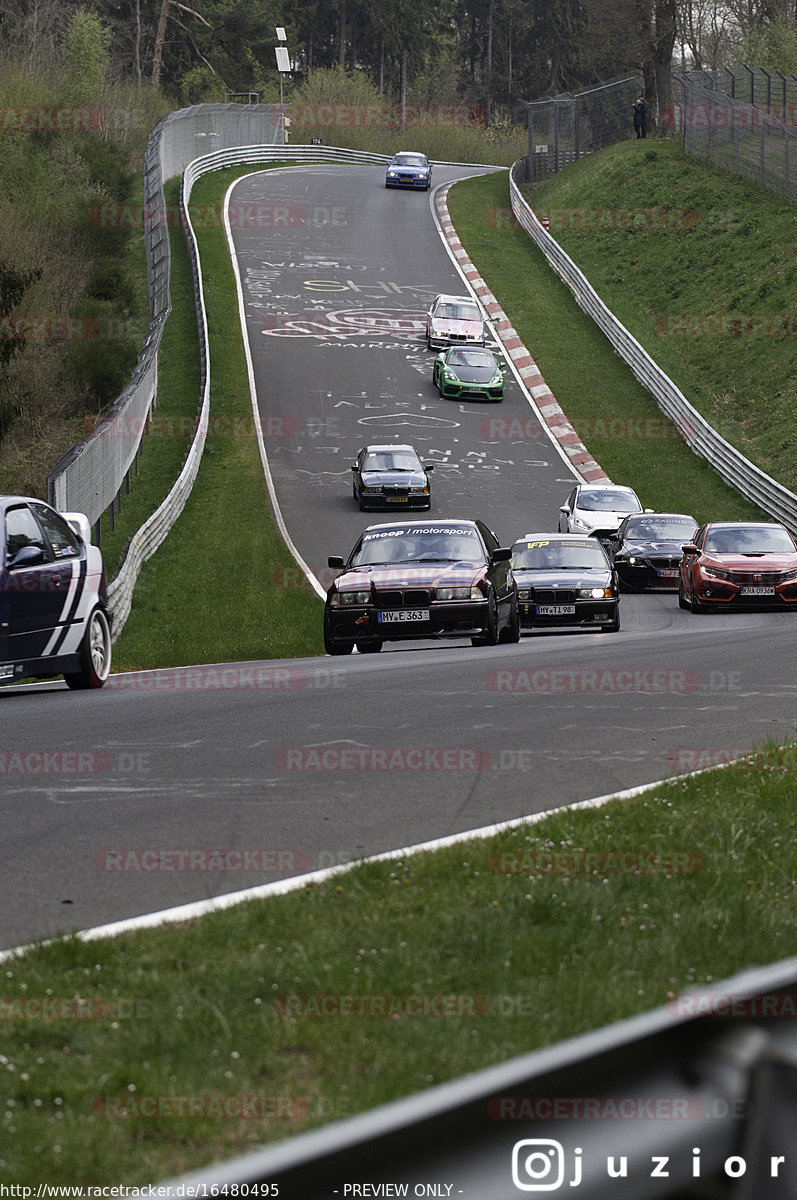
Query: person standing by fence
x,y
641,117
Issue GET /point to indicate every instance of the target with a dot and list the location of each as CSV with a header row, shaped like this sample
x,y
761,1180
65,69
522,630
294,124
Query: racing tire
x,y
429,345
510,634
95,654
682,600
615,625
332,647
490,635
695,605
369,647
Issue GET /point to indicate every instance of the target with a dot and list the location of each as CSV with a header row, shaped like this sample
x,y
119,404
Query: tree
x,y
85,57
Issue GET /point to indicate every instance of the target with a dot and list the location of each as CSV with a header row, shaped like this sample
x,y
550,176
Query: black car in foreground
x,y
563,579
406,580
391,476
647,549
54,615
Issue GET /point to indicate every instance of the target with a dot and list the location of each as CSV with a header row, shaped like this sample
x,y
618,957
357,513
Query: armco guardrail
x,y
651,1106
150,536
90,476
737,470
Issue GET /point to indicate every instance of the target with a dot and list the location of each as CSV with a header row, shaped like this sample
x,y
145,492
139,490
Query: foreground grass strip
x,y
201,1041
617,419
701,266
221,562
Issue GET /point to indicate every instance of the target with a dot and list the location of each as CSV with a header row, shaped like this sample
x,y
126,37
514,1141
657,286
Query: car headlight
x,y
595,593
496,379
581,524
523,593
459,593
714,572
449,374
392,174
787,575
420,491
345,598
372,491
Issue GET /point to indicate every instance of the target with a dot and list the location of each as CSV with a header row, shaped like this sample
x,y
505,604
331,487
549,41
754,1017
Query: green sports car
x,y
465,371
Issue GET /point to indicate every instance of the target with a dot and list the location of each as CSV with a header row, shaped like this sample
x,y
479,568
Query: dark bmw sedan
x,y
422,579
565,580
391,477
647,552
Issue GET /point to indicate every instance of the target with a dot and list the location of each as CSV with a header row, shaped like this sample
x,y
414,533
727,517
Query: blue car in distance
x,y
409,169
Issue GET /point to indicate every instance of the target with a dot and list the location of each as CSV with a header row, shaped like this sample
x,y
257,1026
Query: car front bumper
x,y
362,623
584,612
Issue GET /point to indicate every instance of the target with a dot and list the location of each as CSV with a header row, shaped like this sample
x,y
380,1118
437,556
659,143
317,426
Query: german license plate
x,y
758,591
555,610
668,573
397,499
6,670
400,615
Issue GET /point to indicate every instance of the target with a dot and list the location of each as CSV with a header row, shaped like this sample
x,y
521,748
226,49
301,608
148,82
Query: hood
x,y
473,374
447,325
593,577
772,560
668,547
412,575
394,478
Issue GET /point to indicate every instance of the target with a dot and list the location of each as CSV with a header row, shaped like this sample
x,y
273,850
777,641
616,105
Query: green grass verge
x,y
734,257
529,948
226,532
591,383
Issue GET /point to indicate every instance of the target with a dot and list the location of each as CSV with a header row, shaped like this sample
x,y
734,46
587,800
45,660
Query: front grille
x,y
551,596
663,563
754,578
415,598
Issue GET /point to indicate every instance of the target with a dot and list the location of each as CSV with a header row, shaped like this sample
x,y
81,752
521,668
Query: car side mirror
x,y
565,508
428,466
354,466
690,549
27,556
336,561
502,554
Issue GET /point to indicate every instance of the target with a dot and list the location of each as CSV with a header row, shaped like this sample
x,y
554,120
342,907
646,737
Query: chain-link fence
x,y
565,127
93,475
744,121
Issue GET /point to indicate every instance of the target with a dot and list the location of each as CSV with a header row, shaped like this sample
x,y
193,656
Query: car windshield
x,y
611,501
391,460
470,358
425,545
457,312
409,160
545,555
660,529
749,539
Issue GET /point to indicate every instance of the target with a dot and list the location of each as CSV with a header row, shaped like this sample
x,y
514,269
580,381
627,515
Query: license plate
x,y
668,573
397,499
758,591
403,614
6,670
555,610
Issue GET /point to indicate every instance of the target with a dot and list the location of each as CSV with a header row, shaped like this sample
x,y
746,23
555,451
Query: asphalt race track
x,y
285,767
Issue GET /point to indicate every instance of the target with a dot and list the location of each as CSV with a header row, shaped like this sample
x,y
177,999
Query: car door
x,y
564,518
36,588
